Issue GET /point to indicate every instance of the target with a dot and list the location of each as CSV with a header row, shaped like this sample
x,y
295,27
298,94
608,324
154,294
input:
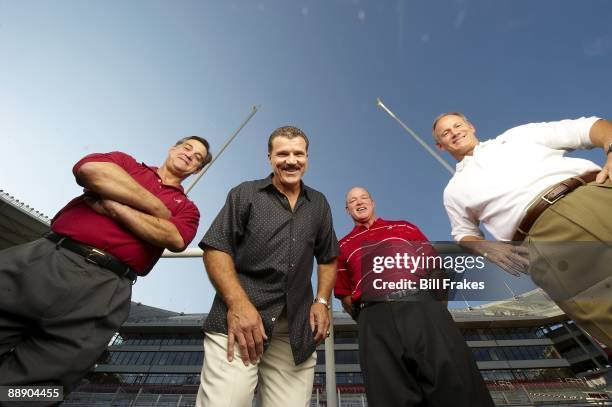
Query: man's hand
x,y
512,259
319,321
606,171
601,135
244,324
106,207
347,304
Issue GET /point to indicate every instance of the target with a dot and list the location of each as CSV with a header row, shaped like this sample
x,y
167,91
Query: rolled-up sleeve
x,y
186,221
125,161
462,224
326,243
569,134
343,279
227,229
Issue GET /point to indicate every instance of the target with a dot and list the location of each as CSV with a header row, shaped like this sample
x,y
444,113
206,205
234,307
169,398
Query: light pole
x,y
223,147
426,146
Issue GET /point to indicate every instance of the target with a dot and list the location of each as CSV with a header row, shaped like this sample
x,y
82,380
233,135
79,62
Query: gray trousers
x,y
57,314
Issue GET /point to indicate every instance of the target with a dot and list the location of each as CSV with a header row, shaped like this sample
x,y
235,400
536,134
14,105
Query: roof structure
x,y
19,223
527,309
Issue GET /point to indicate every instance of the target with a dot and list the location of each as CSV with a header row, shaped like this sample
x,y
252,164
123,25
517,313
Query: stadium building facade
x,y
527,350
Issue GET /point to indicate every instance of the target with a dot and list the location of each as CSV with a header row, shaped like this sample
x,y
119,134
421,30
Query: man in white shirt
x,y
522,187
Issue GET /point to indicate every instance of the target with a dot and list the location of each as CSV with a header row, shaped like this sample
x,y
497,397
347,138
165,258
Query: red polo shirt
x,y
79,222
385,240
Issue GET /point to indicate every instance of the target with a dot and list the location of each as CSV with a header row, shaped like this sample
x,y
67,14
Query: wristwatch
x,y
323,301
609,149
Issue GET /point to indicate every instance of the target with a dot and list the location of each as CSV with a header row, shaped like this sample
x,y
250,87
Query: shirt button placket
x,y
291,243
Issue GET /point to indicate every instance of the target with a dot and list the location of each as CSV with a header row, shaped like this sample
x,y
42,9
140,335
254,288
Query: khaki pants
x,y
281,382
571,257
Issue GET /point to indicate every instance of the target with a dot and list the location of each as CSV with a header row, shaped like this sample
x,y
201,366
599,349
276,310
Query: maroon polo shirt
x,y
384,239
79,222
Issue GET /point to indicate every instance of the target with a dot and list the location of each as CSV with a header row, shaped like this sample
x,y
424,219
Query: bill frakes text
x,y
428,284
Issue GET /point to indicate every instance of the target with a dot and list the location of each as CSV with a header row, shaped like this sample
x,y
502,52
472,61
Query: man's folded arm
x,y
156,231
110,181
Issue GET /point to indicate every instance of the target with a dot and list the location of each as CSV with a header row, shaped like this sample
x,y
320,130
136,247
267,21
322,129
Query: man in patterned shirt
x,y
410,350
259,256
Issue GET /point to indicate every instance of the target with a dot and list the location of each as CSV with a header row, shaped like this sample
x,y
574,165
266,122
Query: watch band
x,y
321,300
609,149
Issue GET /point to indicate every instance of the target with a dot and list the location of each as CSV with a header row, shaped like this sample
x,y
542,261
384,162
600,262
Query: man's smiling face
x,y
360,205
289,160
455,135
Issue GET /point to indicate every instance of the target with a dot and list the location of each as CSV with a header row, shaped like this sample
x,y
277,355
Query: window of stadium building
x,y
143,378
489,334
345,337
343,357
561,329
171,340
514,353
526,374
341,378
153,358
573,349
172,379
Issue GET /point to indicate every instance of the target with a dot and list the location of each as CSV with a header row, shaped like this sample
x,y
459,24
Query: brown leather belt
x,y
548,199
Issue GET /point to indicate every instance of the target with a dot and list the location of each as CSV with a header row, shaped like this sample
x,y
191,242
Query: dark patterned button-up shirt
x,y
273,249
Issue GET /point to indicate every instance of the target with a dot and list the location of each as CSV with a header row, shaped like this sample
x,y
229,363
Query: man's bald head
x,y
356,191
360,206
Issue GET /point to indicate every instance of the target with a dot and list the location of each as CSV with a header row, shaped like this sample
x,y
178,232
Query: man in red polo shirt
x,y
62,297
410,350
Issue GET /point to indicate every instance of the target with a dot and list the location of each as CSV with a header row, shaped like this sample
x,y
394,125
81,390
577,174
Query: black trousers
x,y
413,355
57,314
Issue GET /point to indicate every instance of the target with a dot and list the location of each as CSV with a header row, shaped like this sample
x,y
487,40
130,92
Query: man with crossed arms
x,y
62,297
522,187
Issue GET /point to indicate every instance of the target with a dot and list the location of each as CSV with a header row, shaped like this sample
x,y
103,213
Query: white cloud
x,y
599,46
459,19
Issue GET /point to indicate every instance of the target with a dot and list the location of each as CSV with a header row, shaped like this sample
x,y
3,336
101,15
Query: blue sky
x,y
83,76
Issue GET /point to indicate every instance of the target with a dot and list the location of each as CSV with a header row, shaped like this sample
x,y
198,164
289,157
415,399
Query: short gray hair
x,y
202,140
437,119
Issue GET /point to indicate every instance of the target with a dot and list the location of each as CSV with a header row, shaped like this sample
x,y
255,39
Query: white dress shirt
x,y
497,183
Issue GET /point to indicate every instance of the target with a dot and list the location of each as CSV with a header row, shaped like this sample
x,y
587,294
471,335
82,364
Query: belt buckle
x,y
552,201
399,295
93,252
